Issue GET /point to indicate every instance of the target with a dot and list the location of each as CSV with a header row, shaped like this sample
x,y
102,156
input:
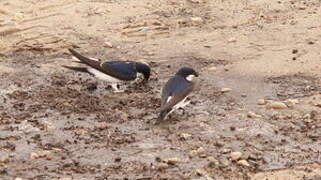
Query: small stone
x,y
196,1
43,153
196,21
223,90
39,154
18,178
213,68
66,178
251,114
224,162
236,155
261,102
291,102
317,104
162,166
225,151
307,116
108,44
192,153
243,163
200,172
200,152
294,51
212,161
172,161
4,159
276,105
231,40
185,136
34,155
6,70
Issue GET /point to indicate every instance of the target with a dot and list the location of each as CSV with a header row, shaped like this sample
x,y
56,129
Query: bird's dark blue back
x,y
175,85
124,70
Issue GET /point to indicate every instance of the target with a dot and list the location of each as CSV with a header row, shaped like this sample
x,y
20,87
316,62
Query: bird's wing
x,y
122,70
175,90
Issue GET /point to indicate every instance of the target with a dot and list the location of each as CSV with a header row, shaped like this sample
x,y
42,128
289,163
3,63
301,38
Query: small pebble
x,y
225,151
294,51
196,21
251,114
162,166
108,44
200,172
232,39
223,90
213,68
224,162
185,136
290,102
212,161
261,102
6,70
276,105
34,155
200,152
18,178
4,159
236,155
243,163
172,161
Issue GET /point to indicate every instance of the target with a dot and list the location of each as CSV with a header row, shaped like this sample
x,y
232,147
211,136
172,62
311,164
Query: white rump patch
x,y
168,99
190,77
95,59
181,104
103,76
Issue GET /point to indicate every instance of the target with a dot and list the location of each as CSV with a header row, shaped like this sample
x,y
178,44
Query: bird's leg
x,y
185,103
115,86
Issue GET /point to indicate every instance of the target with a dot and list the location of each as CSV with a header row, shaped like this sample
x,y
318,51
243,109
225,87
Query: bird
x,y
113,72
176,91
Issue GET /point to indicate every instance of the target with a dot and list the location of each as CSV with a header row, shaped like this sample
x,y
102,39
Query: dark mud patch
x,y
77,127
295,86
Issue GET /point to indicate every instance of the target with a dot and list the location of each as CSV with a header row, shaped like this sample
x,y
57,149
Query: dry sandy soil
x,y
58,124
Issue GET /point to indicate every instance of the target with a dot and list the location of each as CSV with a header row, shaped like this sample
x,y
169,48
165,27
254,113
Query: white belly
x,y
181,104
103,76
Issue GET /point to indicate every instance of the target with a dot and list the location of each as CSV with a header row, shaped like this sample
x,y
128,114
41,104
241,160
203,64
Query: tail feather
x,y
85,60
80,69
82,58
163,114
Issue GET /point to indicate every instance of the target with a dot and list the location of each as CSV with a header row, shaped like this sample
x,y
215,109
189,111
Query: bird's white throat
x,y
190,77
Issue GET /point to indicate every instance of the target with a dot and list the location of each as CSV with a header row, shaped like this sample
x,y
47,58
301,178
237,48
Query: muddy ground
x,y
255,113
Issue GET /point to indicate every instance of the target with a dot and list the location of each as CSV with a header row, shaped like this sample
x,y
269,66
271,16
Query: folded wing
x,y
175,90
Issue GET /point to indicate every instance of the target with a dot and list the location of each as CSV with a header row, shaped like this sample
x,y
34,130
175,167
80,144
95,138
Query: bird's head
x,y
144,69
187,73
